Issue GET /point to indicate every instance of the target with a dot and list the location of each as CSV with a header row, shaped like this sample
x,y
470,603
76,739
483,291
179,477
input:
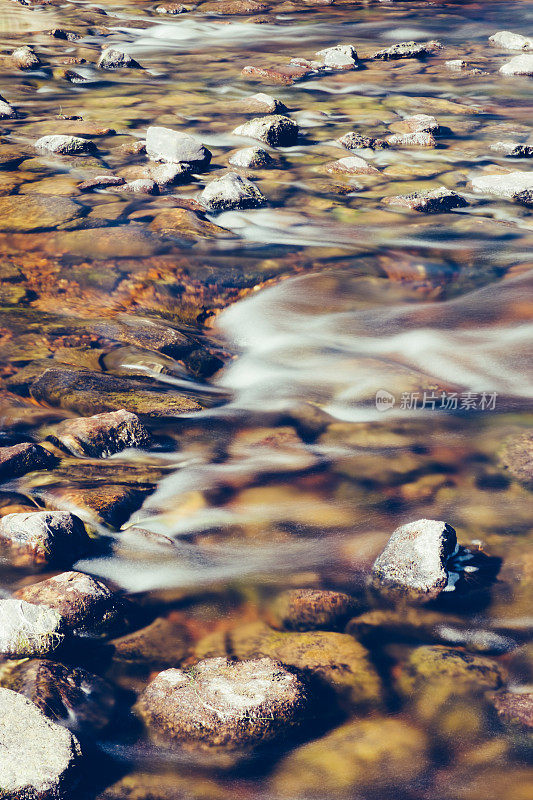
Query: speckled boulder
x,y
223,704
231,191
38,758
39,539
413,564
363,755
251,158
28,630
311,609
101,435
515,709
116,59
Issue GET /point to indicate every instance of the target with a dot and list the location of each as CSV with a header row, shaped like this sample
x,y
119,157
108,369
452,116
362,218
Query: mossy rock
x,y
446,666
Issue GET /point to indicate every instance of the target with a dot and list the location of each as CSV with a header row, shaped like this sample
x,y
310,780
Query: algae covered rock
x,y
311,609
334,660
28,630
223,704
362,755
162,642
444,665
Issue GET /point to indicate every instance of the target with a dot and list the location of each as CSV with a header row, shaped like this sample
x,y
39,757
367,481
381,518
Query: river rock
x,y
25,58
311,609
408,50
262,103
417,123
276,130
65,145
516,456
171,8
93,392
28,630
513,149
335,661
36,212
510,185
436,201
163,643
351,165
18,459
431,665
104,504
86,605
101,435
364,755
39,539
223,704
511,41
6,110
166,173
342,56
187,225
38,758
69,694
231,191
164,144
519,65
413,564
354,141
416,139
115,59
515,708
251,158
284,75
141,186
100,182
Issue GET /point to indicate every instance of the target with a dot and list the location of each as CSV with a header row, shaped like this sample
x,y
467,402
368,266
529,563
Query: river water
x,y
356,365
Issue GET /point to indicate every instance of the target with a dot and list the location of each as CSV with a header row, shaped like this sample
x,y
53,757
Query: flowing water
x,y
353,365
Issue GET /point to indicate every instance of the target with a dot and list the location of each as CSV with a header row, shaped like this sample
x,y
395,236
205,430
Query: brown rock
x,y
18,459
106,504
515,708
311,609
351,165
101,435
163,643
234,7
282,76
516,456
100,182
261,103
416,139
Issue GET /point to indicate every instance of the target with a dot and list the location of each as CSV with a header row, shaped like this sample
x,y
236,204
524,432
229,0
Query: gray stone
x,y
434,202
354,141
415,139
251,158
513,149
409,50
65,145
413,564
276,130
519,65
38,757
115,59
511,41
28,630
262,103
39,539
511,185
165,173
164,144
18,459
231,191
342,56
223,704
101,435
25,58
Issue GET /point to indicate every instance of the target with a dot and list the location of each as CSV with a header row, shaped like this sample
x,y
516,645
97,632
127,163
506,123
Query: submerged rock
x,y
164,144
513,149
101,435
276,130
516,456
39,539
262,103
409,50
86,605
436,201
72,695
437,665
28,630
18,459
342,56
415,139
511,185
38,758
66,145
360,756
310,609
223,704
351,165
141,186
231,191
413,564
116,59
519,65
108,504
100,182
353,141
511,41
284,75
36,212
163,643
515,708
25,58
417,123
251,158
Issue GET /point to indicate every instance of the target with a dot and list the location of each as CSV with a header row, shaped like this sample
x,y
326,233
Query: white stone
x,y
511,41
519,65
340,57
164,144
508,185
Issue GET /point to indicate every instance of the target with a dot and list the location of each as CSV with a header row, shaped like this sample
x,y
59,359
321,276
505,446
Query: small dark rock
x,y
409,50
100,182
115,59
231,191
18,459
434,202
276,130
353,141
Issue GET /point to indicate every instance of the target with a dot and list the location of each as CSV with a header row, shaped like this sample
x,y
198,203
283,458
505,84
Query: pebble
x,y
413,564
101,435
433,202
251,158
115,59
519,65
353,141
409,50
351,165
164,144
28,630
456,64
227,704
141,186
343,56
25,58
86,605
262,103
416,139
513,149
511,185
18,459
231,191
100,182
511,41
311,609
65,145
276,130
38,758
38,539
